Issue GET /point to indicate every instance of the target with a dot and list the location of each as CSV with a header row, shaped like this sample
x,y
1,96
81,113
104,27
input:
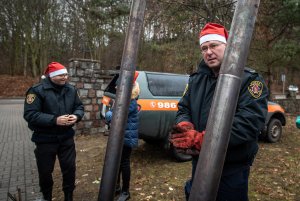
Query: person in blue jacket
x,y
51,109
130,141
249,117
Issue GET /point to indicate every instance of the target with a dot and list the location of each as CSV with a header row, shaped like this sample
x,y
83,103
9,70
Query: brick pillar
x,y
90,81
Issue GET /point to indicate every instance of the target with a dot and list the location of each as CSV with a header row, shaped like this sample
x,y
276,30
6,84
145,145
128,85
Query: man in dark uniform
x,y
249,118
51,109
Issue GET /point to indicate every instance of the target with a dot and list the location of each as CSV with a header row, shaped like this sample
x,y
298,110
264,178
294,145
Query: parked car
x,y
293,90
160,93
274,122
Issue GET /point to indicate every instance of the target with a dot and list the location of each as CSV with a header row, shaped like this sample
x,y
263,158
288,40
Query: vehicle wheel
x,y
180,157
274,130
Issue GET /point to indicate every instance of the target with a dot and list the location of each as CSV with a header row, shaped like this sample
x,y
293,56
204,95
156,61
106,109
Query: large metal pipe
x,y
211,159
116,136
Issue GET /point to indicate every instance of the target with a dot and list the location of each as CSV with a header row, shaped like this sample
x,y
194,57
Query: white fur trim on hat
x,y
210,37
58,72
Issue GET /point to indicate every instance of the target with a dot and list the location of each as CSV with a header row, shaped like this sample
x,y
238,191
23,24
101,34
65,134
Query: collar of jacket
x,y
204,69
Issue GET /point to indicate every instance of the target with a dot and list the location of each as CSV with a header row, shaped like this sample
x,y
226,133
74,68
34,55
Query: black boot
x,y
125,195
68,196
47,196
118,190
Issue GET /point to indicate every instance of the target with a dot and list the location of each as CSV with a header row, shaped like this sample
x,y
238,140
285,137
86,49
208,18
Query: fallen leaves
x,y
155,176
15,86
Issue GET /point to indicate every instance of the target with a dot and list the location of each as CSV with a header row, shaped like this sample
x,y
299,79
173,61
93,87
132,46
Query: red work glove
x,y
187,140
182,127
198,140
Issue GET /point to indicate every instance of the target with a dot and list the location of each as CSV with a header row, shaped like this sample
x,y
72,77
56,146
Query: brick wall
x,y
90,81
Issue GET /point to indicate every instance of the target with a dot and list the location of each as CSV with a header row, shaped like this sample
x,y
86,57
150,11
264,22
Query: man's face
x,y
60,79
213,53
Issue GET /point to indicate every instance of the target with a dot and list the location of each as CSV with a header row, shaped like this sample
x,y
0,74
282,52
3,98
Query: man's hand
x,y
66,120
190,139
72,119
62,120
183,127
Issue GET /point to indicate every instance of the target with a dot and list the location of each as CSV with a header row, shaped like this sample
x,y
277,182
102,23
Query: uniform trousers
x,y
233,185
46,154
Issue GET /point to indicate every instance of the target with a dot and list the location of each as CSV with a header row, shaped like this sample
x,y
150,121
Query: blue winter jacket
x,y
131,132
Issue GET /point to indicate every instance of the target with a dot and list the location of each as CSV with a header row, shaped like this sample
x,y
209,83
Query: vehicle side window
x,y
111,87
166,85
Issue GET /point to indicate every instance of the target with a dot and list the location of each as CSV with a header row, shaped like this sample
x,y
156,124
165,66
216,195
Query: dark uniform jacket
x,y
44,103
248,120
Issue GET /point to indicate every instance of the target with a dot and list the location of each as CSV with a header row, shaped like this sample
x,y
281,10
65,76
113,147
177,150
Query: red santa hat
x,y
213,31
136,74
54,69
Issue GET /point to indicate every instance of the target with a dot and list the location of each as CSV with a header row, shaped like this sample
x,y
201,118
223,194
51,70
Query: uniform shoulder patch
x,y
30,98
255,88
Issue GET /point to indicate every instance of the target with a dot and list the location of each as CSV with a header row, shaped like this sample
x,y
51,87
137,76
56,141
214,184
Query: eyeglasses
x,y
63,75
211,46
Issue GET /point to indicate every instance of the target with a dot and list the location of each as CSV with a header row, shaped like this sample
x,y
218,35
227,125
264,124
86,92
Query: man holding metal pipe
x,y
249,118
